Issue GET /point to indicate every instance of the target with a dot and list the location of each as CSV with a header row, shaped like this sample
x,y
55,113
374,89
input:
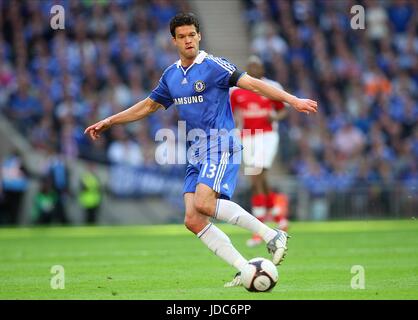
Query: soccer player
x,y
258,117
198,84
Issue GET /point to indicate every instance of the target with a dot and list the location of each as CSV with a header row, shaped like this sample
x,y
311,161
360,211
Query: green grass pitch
x,y
168,262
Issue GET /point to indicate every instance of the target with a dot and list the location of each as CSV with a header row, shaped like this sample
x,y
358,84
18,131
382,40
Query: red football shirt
x,y
254,108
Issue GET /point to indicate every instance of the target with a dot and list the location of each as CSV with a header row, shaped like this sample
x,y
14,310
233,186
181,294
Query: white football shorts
x,y
260,149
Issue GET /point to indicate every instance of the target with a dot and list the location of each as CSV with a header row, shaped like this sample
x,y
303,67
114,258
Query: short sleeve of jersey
x,y
161,94
225,73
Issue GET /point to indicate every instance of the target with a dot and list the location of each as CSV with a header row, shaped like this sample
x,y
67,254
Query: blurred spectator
x,y
315,179
376,82
376,20
7,80
365,177
340,183
349,140
123,150
90,195
45,203
400,14
58,173
386,181
269,43
410,187
24,107
14,183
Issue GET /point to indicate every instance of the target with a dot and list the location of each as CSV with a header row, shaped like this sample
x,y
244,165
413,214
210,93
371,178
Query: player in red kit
x,y
258,118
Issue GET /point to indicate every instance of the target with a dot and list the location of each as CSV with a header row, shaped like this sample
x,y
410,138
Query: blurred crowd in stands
x,y
112,53
366,82
108,57
56,82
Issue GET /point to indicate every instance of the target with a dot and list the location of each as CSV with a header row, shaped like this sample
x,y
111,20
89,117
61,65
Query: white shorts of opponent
x,y
260,149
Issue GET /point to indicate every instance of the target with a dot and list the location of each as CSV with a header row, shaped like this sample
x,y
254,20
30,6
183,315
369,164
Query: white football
x,y
259,275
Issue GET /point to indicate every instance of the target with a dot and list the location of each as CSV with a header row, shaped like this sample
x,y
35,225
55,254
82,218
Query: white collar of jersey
x,y
199,59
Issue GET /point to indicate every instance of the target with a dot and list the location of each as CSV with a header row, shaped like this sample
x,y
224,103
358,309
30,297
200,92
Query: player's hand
x,y
305,105
96,129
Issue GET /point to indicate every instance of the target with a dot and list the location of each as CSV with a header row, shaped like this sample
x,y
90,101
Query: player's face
x,y
187,41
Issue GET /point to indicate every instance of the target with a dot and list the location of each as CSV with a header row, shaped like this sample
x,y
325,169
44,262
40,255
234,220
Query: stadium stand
x,y
55,82
358,156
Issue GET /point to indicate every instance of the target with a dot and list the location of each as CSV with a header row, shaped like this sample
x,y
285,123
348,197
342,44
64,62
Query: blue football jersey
x,y
201,95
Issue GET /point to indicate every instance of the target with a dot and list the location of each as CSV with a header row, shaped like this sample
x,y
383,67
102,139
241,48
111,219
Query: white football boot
x,y
236,282
278,246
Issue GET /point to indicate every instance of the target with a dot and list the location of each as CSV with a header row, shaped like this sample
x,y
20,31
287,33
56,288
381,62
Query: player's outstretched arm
x,y
258,86
136,112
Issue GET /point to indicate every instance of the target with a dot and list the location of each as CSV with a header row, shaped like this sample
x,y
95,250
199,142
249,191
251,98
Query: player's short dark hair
x,y
183,19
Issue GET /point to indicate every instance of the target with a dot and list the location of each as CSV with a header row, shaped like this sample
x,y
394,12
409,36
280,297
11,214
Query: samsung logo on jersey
x,y
188,100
